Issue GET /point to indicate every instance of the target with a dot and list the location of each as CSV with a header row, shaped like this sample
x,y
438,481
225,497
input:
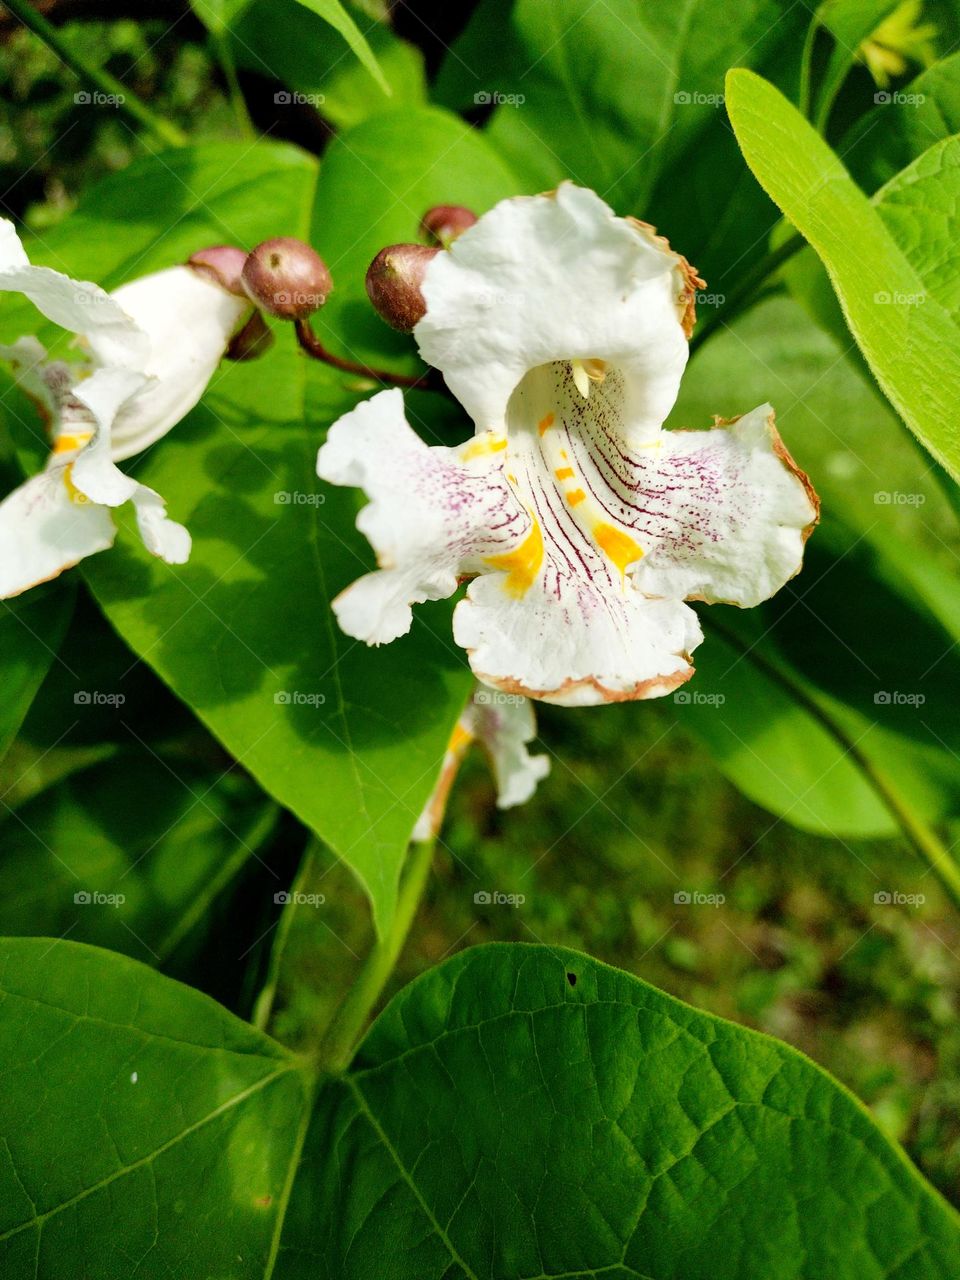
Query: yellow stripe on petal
x,y
544,425
489,442
523,564
68,442
75,495
616,545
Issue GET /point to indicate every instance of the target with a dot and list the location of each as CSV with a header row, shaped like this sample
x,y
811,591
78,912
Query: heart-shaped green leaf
x,y
519,1111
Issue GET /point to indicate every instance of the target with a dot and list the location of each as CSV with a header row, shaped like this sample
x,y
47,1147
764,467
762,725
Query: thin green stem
x,y
165,130
348,1023
920,835
237,100
748,290
264,1007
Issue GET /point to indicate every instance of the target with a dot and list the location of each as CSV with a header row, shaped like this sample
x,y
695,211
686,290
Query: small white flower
x,y
583,524
504,725
150,349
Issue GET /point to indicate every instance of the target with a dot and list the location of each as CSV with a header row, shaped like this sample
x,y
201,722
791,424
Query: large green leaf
x,y
131,854
146,1130
909,340
519,1111
876,568
605,94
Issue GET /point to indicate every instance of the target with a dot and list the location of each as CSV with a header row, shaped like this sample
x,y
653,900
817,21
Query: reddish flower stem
x,y
311,344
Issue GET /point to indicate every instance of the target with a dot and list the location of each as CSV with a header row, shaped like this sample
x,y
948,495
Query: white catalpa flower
x,y
504,725
150,348
562,330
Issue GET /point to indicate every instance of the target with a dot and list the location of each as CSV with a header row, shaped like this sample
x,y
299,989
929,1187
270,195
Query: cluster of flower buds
x,y
282,277
287,279
395,276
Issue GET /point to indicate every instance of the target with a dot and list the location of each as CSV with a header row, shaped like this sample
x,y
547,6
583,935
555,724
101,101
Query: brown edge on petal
x,y
692,282
783,453
655,687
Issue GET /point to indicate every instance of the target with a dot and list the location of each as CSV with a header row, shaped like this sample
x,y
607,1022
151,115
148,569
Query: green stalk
x,y
165,130
919,834
268,994
348,1023
237,100
748,290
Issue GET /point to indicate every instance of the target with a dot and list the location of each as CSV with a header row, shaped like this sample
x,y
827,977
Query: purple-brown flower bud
x,y
393,283
286,278
222,263
444,222
252,341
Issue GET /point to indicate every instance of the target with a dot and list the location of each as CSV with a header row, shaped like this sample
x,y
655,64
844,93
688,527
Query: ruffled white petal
x,y
161,536
94,472
188,321
727,513
434,514
556,277
46,527
76,305
97,477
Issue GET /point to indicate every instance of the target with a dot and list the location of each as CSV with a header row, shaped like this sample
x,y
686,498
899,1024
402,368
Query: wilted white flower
x,y
504,725
150,348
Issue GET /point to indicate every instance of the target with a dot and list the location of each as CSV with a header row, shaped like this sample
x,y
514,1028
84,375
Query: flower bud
x,y
222,263
252,341
393,283
444,222
286,278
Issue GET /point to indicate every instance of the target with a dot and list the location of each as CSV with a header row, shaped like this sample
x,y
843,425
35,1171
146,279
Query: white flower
x,y
562,330
150,350
503,724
